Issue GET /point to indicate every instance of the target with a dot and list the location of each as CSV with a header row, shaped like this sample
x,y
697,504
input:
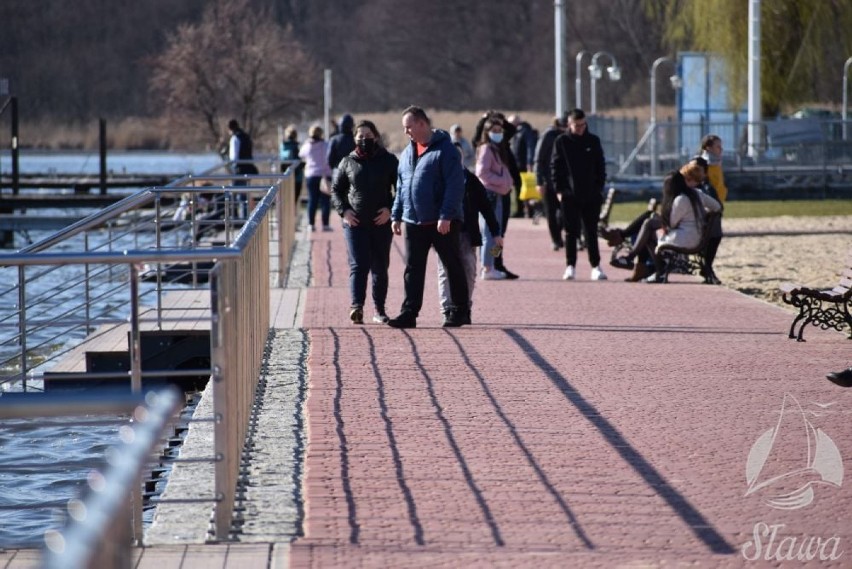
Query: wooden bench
x,y
689,260
824,308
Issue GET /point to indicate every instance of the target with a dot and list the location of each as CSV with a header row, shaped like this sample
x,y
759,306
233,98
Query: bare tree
x,y
237,62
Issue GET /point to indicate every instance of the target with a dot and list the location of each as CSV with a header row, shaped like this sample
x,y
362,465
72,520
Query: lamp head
x,y
614,72
595,71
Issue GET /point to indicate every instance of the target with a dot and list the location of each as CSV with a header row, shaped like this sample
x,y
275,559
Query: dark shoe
x,y
518,214
509,274
404,320
622,263
557,246
356,315
841,378
466,318
453,320
711,278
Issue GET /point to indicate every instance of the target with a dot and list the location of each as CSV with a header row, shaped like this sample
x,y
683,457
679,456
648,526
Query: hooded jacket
x,y
430,187
364,183
342,143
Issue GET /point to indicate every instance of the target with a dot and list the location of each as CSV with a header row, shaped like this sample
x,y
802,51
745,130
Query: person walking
x,y
342,143
290,151
362,195
429,193
544,181
578,169
317,173
493,171
523,149
239,153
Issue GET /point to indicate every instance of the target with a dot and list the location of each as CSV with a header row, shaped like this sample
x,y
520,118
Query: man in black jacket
x,y
578,169
342,143
544,182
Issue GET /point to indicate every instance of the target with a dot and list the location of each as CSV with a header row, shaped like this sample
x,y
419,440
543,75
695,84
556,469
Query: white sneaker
x,y
598,274
568,275
492,274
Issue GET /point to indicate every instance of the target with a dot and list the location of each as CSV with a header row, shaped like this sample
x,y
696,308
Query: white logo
x,y
790,459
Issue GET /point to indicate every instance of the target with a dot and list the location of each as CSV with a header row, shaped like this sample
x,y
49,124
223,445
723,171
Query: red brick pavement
x,y
575,424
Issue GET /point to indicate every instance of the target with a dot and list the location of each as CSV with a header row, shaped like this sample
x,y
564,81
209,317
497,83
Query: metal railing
x,y
117,270
101,524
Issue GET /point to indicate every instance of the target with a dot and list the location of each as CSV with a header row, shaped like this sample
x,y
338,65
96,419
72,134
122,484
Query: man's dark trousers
x,y
581,216
418,240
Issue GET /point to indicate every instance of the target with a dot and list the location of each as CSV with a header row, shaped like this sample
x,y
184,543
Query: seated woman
x,y
681,217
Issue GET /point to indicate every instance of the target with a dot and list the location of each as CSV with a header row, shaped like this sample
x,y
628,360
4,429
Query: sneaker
x,y
492,274
569,273
598,274
404,320
380,318
356,315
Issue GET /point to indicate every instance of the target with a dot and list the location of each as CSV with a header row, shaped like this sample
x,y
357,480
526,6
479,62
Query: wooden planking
x,y
204,556
184,310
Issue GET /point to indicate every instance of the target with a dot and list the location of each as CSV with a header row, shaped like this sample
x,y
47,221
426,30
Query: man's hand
x,y
498,240
444,226
396,226
382,217
350,219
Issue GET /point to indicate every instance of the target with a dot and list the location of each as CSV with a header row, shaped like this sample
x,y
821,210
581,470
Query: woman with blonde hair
x,y
317,171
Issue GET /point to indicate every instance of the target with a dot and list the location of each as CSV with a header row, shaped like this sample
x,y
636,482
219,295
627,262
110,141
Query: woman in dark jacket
x,y
362,195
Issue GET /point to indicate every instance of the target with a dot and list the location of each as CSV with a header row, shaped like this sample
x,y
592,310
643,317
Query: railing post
x,y
22,323
158,240
135,341
88,294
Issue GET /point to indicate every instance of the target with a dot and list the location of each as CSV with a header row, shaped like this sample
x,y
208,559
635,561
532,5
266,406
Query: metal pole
x,y
16,171
135,341
103,155
845,94
559,71
593,94
578,80
327,102
754,110
653,140
22,323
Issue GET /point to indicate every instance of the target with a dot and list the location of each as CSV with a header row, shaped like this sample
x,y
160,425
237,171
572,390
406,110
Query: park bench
x,y
823,308
689,260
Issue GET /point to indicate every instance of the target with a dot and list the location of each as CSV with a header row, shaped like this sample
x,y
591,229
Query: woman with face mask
x,y
493,172
362,195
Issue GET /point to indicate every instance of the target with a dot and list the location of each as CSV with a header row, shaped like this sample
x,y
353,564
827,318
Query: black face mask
x,y
367,145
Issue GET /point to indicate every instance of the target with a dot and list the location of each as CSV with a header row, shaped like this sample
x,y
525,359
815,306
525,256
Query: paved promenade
x,y
575,424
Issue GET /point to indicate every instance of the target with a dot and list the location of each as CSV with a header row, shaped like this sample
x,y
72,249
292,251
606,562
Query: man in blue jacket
x,y
429,194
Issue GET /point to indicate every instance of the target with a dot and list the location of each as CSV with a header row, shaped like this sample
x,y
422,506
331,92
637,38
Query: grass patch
x,y
626,212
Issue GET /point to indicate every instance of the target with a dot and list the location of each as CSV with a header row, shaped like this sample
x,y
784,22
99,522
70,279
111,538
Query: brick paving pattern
x,y
575,424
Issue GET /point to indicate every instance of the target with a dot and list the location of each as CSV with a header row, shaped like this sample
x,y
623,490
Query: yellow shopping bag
x,y
528,189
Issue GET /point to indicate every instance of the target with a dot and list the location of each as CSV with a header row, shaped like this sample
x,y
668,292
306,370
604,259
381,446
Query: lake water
x,y
48,464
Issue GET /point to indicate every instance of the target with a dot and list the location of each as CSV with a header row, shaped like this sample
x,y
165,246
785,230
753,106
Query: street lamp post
x,y
845,94
675,80
595,72
578,79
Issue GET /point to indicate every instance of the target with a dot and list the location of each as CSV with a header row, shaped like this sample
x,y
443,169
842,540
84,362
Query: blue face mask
x,y
496,137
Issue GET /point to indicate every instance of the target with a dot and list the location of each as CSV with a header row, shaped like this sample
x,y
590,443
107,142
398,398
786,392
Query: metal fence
x,y
158,260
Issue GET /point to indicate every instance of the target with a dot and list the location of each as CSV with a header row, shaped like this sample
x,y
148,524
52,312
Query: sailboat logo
x,y
792,458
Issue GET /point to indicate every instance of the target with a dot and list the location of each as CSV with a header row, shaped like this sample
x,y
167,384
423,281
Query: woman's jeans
x,y
317,198
496,202
369,252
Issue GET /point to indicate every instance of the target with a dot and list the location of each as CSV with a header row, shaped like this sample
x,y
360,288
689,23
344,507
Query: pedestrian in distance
x,y
428,202
578,170
290,151
240,153
317,175
342,143
544,181
468,154
362,193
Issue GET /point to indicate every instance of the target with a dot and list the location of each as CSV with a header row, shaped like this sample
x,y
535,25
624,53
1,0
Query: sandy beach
x,y
759,254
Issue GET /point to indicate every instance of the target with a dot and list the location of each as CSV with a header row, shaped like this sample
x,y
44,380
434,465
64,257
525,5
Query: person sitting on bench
x,y
681,216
